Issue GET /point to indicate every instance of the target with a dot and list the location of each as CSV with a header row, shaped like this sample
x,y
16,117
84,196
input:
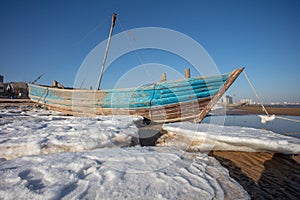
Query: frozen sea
x,y
278,125
46,155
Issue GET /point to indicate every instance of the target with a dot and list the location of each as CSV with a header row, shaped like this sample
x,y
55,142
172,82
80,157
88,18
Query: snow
x,y
206,137
118,173
45,155
42,132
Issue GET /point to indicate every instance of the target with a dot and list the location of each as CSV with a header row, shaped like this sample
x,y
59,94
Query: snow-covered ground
x,y
45,155
37,132
206,137
118,173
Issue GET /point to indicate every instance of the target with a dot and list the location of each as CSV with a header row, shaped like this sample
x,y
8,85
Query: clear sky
x,y
56,36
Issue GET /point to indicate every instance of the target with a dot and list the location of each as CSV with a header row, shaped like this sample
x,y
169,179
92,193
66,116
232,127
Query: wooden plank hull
x,y
161,102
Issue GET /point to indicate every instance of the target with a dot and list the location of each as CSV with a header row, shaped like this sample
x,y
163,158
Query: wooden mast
x,y
217,96
114,17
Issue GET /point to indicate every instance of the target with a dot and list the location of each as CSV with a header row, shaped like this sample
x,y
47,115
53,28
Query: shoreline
x,y
246,110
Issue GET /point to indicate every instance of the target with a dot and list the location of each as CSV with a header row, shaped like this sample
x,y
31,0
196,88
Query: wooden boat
x,y
186,99
182,100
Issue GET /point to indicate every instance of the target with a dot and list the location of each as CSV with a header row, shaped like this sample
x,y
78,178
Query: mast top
x,y
113,19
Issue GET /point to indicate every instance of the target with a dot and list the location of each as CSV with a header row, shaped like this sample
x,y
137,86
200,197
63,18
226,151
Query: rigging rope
x,y
91,31
263,107
264,119
130,37
46,90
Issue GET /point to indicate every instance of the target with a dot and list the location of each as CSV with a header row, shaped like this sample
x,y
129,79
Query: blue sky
x,y
56,36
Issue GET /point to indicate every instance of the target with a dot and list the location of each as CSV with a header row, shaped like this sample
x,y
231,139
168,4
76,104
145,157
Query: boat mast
x,y
114,17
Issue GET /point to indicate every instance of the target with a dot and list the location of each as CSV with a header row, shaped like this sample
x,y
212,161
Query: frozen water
x,y
205,137
52,156
42,132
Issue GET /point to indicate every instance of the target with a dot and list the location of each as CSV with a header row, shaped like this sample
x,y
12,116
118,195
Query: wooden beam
x,y
217,96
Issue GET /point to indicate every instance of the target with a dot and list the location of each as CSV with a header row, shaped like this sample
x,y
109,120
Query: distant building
x,y
1,85
226,100
229,100
246,101
13,89
16,90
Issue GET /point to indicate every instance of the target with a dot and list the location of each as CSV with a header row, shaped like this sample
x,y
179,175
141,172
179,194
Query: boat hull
x,y
182,100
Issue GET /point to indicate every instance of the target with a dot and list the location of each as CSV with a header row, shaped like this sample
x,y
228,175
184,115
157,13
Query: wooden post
x,y
187,73
114,17
163,77
54,83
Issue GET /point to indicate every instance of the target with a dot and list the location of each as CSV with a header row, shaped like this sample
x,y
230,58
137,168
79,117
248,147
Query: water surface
x,y
278,125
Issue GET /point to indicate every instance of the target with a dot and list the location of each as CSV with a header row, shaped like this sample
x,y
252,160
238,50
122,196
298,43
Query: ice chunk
x,y
206,137
44,132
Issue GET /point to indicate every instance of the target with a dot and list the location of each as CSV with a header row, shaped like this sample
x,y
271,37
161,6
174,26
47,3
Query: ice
x,y
206,137
37,132
118,173
46,155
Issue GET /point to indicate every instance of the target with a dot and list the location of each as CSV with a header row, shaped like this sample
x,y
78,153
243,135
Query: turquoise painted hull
x,y
133,101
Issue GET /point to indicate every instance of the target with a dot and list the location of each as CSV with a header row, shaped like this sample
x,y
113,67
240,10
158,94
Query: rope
x,y
252,87
41,96
262,105
130,37
99,26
